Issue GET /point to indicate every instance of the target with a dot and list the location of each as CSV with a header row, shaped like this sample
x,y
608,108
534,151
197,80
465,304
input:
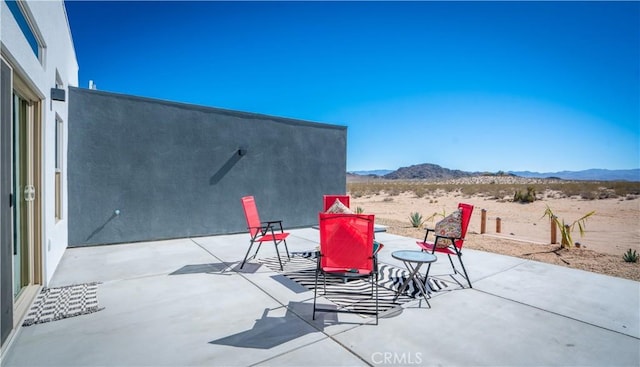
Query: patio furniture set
x,y
348,249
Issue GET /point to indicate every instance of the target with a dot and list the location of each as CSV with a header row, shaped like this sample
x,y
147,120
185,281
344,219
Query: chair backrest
x,y
328,200
251,214
467,209
346,241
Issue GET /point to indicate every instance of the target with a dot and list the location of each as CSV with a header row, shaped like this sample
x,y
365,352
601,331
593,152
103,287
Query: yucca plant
x,y
566,229
631,256
416,219
359,210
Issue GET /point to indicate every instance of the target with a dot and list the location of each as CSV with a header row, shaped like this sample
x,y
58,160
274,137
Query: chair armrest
x,y
270,224
427,233
439,236
260,230
266,227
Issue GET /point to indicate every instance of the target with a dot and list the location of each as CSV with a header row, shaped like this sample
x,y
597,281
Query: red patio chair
x,y
346,251
260,232
328,200
455,248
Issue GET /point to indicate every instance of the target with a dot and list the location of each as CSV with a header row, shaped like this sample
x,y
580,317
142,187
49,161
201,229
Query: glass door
x,y
23,192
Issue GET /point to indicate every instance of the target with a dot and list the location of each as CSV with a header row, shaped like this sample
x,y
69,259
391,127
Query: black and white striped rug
x,y
355,294
63,302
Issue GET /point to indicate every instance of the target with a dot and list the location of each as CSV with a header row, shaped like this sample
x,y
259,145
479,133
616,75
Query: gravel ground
x,y
577,258
609,233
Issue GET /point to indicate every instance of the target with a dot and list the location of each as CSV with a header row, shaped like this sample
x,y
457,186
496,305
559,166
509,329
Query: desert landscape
x,y
525,232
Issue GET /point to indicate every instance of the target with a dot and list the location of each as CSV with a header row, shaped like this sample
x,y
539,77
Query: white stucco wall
x,y
58,56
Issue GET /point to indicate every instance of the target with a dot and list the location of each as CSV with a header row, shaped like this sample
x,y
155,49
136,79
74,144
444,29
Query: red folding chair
x,y
346,251
455,248
260,232
328,200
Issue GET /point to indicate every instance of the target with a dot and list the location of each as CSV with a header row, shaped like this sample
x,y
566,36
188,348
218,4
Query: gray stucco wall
x,y
173,170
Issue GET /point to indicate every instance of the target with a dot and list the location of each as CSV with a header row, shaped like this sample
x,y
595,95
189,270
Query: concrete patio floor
x,y
182,302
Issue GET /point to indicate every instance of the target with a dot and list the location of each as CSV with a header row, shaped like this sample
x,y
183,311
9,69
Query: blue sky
x,y
476,86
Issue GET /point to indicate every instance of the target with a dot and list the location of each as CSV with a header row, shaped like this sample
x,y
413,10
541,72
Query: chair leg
x,y
276,243
453,266
464,270
286,248
455,272
324,284
247,255
315,295
377,293
372,284
426,276
254,255
278,252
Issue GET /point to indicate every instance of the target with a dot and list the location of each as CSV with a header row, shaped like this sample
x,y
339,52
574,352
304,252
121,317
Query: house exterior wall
x,y
58,61
174,170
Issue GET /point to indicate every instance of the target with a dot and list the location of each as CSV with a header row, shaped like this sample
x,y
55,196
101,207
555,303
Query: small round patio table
x,y
413,260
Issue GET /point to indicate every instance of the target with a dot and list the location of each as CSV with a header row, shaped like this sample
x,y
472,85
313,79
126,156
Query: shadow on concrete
x,y
291,284
247,268
223,268
269,332
213,268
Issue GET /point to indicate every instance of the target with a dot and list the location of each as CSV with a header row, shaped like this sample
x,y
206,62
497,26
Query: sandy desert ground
x,y
611,231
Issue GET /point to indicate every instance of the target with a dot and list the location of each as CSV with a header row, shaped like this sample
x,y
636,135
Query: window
x,y
58,171
20,15
58,155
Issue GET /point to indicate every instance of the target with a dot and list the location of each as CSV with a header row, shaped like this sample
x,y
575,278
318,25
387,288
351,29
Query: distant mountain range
x,y
433,171
376,172
427,170
586,175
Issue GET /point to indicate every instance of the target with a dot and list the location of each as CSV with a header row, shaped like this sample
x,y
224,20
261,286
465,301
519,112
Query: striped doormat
x,y
63,302
354,295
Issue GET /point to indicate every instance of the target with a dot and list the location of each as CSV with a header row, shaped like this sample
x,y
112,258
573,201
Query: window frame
x,y
25,20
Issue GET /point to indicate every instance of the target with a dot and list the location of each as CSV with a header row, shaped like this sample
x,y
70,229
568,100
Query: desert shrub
x,y
528,197
588,195
630,256
559,187
420,191
393,192
416,220
624,188
359,210
607,193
